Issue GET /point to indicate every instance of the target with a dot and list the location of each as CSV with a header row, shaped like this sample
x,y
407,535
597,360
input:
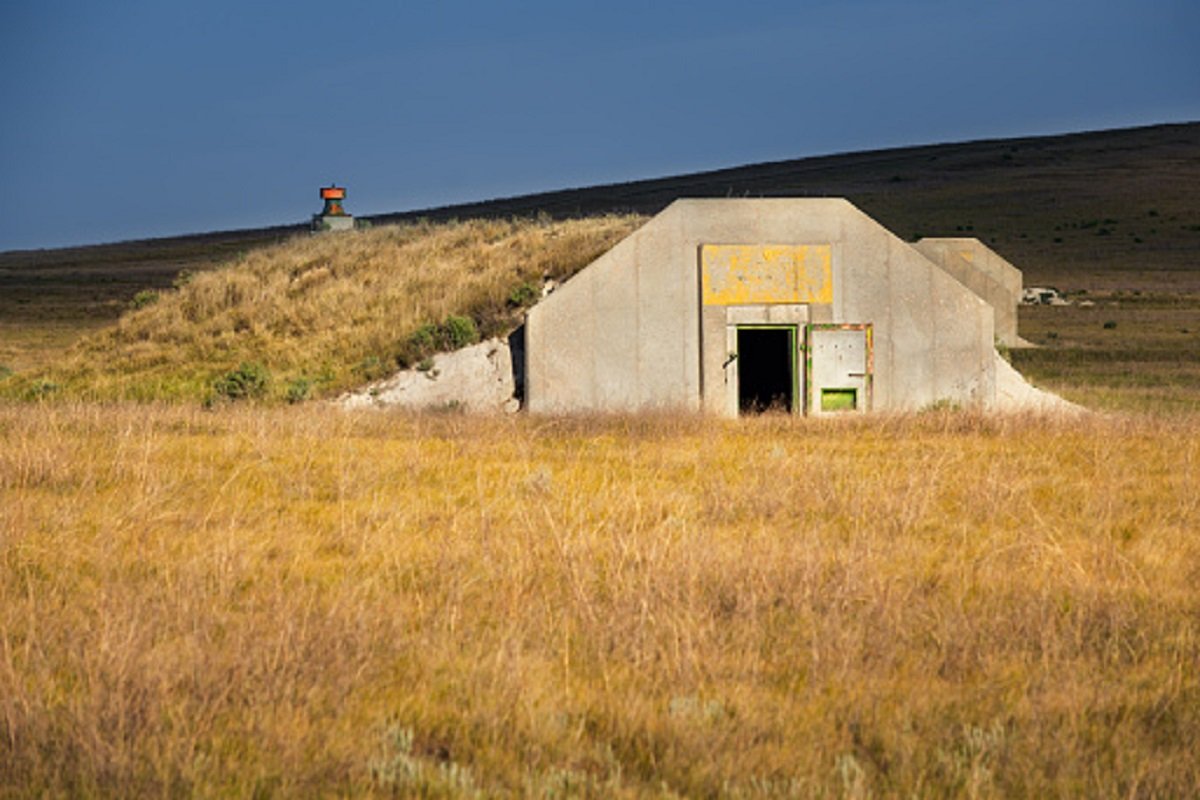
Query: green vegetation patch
x,y
453,333
146,297
249,381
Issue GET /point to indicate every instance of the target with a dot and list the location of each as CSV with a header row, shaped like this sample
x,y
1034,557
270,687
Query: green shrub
x,y
460,332
1110,324
249,380
455,332
183,278
298,390
371,367
41,389
523,296
5,372
423,338
326,374
146,297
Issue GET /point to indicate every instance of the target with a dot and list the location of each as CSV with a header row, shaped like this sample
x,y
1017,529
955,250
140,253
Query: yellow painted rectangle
x,y
742,274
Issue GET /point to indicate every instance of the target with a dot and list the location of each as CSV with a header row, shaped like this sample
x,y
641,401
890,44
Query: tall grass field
x,y
297,601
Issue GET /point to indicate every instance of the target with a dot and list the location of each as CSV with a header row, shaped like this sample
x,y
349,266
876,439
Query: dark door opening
x,y
766,369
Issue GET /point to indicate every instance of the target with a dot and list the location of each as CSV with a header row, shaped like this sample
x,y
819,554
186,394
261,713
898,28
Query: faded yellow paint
x,y
967,256
739,274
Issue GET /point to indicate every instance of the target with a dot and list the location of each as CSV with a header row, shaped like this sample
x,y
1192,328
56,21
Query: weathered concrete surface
x,y
476,379
984,272
631,331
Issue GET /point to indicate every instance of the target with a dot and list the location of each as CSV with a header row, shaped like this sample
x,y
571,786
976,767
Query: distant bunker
x,y
808,306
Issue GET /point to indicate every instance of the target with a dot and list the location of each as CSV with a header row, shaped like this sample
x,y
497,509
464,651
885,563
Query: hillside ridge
x,y
641,195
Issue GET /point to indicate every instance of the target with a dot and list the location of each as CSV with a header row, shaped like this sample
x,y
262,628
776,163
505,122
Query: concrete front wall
x,y
984,272
622,334
628,332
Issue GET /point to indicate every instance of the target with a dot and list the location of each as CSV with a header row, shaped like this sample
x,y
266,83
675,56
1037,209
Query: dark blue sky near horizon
x,y
126,120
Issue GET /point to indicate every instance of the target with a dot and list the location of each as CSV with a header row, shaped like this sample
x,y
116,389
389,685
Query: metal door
x,y
839,366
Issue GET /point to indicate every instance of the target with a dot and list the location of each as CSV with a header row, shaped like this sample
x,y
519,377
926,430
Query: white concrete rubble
x,y
475,379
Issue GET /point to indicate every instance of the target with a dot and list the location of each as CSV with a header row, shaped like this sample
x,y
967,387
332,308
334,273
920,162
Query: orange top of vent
x,y
333,193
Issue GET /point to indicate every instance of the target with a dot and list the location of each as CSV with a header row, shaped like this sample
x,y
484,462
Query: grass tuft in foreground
x,y
298,603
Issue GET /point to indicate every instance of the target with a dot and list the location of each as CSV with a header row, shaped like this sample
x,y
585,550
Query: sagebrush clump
x,y
249,381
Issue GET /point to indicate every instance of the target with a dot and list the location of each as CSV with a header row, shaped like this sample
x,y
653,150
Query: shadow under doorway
x,y
766,369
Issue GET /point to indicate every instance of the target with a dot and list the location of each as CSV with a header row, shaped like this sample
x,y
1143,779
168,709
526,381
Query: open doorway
x,y
766,368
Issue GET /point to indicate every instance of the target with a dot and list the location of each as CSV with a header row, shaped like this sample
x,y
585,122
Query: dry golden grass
x,y
301,602
332,310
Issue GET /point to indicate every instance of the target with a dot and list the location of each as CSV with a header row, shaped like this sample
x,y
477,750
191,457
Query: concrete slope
x,y
1014,393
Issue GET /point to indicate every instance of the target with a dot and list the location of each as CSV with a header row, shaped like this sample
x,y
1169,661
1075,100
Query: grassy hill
x,y
319,314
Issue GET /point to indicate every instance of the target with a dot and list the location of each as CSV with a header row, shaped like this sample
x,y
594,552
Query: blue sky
x,y
132,119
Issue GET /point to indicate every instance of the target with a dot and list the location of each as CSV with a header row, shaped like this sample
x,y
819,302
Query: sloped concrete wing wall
x,y
629,332
934,338
984,272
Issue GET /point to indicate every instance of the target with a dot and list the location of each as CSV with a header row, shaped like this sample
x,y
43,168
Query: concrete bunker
x,y
802,305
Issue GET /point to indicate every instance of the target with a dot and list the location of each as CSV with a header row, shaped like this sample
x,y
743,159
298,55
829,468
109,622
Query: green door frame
x,y
793,358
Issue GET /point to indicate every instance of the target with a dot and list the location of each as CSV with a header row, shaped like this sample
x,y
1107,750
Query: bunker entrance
x,y
766,365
